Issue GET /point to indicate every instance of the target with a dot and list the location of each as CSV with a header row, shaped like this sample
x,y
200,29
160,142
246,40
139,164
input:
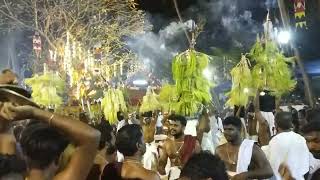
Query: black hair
x,y
311,127
42,145
105,129
11,164
232,120
6,71
147,114
295,121
127,138
313,115
284,120
179,118
303,112
204,165
120,116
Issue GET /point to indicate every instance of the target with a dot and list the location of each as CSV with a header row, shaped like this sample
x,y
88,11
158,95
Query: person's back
x,y
120,171
289,148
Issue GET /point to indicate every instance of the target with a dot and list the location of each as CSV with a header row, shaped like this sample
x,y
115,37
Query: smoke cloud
x,y
229,24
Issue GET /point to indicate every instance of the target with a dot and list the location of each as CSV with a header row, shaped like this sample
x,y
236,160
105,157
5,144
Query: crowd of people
x,y
38,144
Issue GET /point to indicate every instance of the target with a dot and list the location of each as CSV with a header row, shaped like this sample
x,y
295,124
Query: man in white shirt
x,y
289,148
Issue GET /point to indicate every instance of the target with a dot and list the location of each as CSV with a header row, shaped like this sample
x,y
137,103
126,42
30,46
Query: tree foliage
x,y
91,22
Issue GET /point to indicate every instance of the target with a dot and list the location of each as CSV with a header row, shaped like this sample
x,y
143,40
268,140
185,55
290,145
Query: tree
x,y
102,23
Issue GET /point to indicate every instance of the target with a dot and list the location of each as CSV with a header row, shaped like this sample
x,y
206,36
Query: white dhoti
x,y
244,156
174,173
269,117
150,156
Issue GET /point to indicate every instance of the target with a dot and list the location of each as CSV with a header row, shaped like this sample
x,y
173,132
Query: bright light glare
x,y
246,90
284,37
262,93
140,82
207,74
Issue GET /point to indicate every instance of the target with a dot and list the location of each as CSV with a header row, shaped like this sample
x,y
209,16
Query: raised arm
x,y
264,132
83,136
162,159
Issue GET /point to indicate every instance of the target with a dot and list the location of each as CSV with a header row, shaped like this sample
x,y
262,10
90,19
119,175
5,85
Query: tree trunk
x,y
286,23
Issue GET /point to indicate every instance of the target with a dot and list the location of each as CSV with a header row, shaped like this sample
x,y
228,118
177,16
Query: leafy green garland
x,y
241,84
271,71
46,89
112,103
192,88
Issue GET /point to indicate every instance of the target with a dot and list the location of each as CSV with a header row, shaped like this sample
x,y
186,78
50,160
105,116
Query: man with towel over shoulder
x,y
243,159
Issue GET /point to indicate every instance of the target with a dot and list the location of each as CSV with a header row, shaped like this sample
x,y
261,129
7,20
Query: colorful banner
x,y
300,13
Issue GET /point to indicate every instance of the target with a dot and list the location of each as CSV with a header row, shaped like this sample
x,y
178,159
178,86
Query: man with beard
x,y
178,148
130,143
311,133
243,159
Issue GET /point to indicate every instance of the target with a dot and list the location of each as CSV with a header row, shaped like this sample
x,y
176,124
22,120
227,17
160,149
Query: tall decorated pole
x,y
36,40
286,24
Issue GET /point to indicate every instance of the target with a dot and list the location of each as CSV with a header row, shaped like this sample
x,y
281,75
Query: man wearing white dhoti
x,y
289,148
243,159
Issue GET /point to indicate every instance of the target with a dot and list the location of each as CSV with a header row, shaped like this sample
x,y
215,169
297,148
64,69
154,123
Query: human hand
x,y
285,172
10,112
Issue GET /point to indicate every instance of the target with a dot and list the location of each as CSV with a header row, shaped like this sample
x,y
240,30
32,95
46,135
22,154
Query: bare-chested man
x,y
43,143
178,148
243,159
130,143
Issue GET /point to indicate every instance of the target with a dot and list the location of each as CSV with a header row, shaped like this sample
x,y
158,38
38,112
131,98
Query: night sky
x,y
307,40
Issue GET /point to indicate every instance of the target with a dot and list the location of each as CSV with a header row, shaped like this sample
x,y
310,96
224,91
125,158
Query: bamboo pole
x,y
286,24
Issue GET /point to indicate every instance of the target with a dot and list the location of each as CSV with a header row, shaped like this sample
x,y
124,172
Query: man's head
x,y
283,121
232,128
108,137
311,133
8,77
129,140
177,125
42,146
313,115
204,166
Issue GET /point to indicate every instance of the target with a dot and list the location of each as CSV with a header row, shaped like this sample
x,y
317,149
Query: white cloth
x,y
174,173
150,156
297,107
314,164
270,119
207,142
244,156
191,127
216,130
159,121
246,135
291,149
120,157
121,124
